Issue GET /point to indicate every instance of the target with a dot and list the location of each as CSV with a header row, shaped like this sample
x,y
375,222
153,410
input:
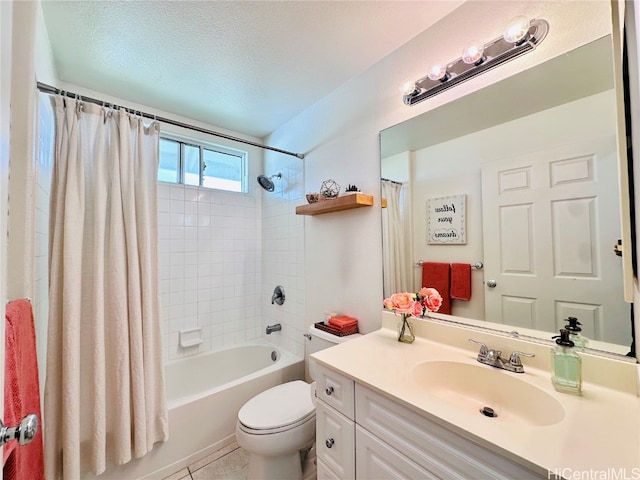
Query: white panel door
x,y
551,219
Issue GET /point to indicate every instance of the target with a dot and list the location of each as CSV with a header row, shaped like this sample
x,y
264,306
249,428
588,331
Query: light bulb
x,y
438,72
408,87
517,29
473,54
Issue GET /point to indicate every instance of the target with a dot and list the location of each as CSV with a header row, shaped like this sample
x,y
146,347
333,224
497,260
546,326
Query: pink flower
x,y
430,298
388,304
417,308
400,302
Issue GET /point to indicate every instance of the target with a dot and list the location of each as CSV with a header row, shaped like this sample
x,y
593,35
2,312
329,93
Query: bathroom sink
x,y
475,387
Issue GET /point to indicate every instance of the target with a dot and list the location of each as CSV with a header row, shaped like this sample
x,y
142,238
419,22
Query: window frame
x,y
202,145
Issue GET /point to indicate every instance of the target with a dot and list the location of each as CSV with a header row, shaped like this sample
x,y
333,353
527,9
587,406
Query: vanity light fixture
x,y
521,36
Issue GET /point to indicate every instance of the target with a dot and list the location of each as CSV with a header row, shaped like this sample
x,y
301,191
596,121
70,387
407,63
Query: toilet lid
x,y
277,407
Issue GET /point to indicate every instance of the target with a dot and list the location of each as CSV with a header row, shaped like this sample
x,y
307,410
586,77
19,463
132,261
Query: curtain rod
x,y
391,181
43,87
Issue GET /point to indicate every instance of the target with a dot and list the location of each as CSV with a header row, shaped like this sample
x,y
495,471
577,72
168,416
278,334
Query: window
x,y
202,164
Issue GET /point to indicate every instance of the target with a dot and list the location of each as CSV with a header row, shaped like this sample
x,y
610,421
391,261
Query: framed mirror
x,y
534,157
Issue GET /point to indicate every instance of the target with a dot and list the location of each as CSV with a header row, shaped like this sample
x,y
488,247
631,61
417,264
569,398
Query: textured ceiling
x,y
248,66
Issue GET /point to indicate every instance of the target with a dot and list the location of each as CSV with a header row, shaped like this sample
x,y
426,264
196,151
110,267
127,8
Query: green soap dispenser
x,y
566,365
574,333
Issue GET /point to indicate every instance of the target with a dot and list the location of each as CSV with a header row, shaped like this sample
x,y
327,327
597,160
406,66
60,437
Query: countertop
x,y
600,430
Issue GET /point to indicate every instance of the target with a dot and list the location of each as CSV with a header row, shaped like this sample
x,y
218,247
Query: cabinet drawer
x,y
375,459
335,441
335,390
435,448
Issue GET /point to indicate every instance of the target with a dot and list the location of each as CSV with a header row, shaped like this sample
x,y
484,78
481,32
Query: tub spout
x,y
273,328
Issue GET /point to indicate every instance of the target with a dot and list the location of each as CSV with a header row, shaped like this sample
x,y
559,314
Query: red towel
x,y
437,275
461,281
21,392
343,322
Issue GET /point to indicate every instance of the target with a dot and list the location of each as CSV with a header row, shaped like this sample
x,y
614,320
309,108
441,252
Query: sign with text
x,y
446,220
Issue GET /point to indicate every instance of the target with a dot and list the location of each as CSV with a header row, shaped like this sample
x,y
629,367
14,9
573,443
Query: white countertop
x,y
600,430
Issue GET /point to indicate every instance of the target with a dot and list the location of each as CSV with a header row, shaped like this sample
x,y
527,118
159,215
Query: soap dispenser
x,y
566,365
574,333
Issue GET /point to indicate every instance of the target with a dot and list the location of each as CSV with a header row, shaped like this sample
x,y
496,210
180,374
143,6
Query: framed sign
x,y
446,220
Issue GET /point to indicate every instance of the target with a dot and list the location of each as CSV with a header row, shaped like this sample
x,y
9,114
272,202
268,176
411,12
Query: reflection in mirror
x,y
535,158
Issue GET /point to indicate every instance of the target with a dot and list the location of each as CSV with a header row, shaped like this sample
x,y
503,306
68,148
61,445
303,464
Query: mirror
x,y
533,158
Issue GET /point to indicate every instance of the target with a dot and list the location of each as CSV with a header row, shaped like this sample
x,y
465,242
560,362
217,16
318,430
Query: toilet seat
x,y
277,409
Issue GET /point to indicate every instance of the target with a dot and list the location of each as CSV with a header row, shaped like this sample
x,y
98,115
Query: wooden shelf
x,y
345,202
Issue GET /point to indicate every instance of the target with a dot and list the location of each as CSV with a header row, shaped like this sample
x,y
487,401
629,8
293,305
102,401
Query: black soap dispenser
x,y
566,365
573,325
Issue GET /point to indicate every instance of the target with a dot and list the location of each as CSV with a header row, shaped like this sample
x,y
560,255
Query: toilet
x,y
277,427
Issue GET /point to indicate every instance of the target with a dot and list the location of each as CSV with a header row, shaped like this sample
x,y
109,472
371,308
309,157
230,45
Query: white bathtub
x,y
204,394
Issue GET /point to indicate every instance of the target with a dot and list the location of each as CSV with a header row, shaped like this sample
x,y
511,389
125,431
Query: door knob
x,y
24,433
491,283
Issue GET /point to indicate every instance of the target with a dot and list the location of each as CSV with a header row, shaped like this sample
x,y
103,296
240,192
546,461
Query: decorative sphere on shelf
x,y
330,189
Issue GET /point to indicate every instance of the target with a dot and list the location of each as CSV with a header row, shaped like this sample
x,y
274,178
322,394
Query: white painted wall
x,y
339,134
21,222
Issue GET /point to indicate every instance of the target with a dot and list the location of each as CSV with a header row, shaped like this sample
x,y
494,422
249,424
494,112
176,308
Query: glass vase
x,y
405,330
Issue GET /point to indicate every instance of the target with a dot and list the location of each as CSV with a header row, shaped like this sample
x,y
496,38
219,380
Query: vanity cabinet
x,y
335,425
363,434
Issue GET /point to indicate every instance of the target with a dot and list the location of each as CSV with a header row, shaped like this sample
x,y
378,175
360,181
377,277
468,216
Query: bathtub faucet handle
x,y
278,295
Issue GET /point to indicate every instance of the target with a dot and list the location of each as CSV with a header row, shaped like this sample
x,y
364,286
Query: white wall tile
x,y
211,246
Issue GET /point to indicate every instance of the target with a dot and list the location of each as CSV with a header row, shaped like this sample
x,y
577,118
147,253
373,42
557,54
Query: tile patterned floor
x,y
229,463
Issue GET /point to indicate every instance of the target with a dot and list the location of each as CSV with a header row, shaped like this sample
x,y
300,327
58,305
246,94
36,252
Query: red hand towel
x,y
461,281
437,275
343,322
21,392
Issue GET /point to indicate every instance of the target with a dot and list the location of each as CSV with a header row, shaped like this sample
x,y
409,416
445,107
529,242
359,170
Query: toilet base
x,y
282,467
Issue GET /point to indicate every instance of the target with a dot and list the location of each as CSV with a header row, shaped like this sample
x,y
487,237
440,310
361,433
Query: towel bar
x,y
474,266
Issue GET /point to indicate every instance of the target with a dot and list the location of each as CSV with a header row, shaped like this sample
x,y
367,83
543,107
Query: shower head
x,y
266,182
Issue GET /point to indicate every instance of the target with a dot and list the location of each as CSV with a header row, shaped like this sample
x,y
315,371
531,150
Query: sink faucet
x,y
494,358
273,328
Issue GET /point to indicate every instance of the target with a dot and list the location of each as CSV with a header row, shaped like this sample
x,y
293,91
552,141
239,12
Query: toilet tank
x,y
319,340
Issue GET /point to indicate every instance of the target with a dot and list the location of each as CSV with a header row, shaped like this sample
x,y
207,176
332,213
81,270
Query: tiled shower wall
x,y
210,266
283,252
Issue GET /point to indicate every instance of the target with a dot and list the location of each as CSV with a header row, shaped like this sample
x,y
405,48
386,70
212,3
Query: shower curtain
x,y
104,388
396,264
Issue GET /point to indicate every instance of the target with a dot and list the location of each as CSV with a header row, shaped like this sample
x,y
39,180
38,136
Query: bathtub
x,y
204,393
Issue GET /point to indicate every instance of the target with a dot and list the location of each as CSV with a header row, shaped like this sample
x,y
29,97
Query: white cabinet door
x,y
551,220
431,446
325,473
335,441
377,460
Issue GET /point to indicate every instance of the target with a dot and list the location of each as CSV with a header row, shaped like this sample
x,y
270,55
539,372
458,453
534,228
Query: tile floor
x,y
229,463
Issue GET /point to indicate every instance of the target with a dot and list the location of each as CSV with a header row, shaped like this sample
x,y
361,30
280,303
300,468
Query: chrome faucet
x,y
273,328
494,358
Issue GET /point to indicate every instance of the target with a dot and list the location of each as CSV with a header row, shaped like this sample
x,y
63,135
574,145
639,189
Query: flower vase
x,y
405,330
